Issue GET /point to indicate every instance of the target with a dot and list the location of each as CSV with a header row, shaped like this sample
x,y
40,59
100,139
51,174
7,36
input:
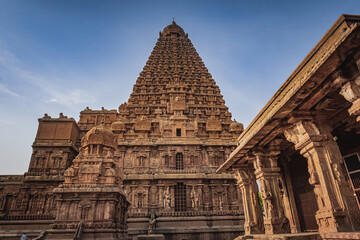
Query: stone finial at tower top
x,y
173,29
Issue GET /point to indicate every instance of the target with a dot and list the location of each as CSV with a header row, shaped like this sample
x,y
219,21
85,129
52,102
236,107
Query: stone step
x,y
286,236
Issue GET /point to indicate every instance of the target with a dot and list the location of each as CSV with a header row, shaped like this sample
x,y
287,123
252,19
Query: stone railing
x,y
11,178
183,171
188,213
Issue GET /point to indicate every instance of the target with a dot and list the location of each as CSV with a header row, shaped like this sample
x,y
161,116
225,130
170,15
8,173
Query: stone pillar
x,y
172,195
200,197
146,198
268,174
161,196
254,220
213,197
338,210
132,199
226,204
289,201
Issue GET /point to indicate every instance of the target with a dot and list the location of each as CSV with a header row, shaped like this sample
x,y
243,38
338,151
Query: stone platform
x,y
287,236
151,237
303,236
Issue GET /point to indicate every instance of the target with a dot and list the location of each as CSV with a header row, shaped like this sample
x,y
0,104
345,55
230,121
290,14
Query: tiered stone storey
x,y
172,134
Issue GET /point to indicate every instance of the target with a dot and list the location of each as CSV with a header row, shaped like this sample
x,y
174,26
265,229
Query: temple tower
x,y
159,151
173,132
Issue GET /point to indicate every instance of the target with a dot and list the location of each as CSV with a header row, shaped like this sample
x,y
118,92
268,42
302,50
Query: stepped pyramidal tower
x,y
170,137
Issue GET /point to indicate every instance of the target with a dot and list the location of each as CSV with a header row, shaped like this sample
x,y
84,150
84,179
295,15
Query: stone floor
x,y
303,236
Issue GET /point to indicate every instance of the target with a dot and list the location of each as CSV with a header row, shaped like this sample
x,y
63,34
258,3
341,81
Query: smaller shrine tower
x,y
91,198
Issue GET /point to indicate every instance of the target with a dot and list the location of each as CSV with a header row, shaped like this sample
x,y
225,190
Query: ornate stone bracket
x,y
351,92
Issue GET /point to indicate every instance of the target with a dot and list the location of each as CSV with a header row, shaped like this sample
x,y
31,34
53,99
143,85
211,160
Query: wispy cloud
x,y
71,97
53,93
6,90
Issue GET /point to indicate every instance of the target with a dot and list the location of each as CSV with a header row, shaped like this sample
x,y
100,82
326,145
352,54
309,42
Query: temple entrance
x,y
303,192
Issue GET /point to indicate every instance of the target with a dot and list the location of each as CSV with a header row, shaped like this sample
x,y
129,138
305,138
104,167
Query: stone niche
x,y
178,104
213,125
143,125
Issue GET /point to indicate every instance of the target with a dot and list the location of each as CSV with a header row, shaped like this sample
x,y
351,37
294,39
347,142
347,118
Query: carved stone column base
x,y
253,228
276,225
332,221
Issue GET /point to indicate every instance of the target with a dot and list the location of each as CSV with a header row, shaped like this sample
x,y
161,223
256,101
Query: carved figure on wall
x,y
167,160
194,199
267,199
56,162
152,223
2,201
336,171
167,199
110,175
85,207
197,204
141,161
140,200
270,207
109,154
319,196
220,200
314,180
69,174
39,162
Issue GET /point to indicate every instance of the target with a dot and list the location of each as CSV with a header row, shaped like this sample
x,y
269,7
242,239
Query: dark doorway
x,y
303,192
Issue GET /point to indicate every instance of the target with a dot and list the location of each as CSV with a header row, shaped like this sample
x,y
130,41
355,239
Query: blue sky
x,y
62,56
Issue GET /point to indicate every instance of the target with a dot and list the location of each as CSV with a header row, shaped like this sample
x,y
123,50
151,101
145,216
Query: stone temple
x,y
147,168
171,164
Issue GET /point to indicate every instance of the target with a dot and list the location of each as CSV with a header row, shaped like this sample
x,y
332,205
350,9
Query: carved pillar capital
x,y
304,134
241,177
351,92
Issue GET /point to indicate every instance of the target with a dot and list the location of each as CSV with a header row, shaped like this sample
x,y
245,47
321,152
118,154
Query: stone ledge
x,y
177,230
341,235
286,236
151,237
